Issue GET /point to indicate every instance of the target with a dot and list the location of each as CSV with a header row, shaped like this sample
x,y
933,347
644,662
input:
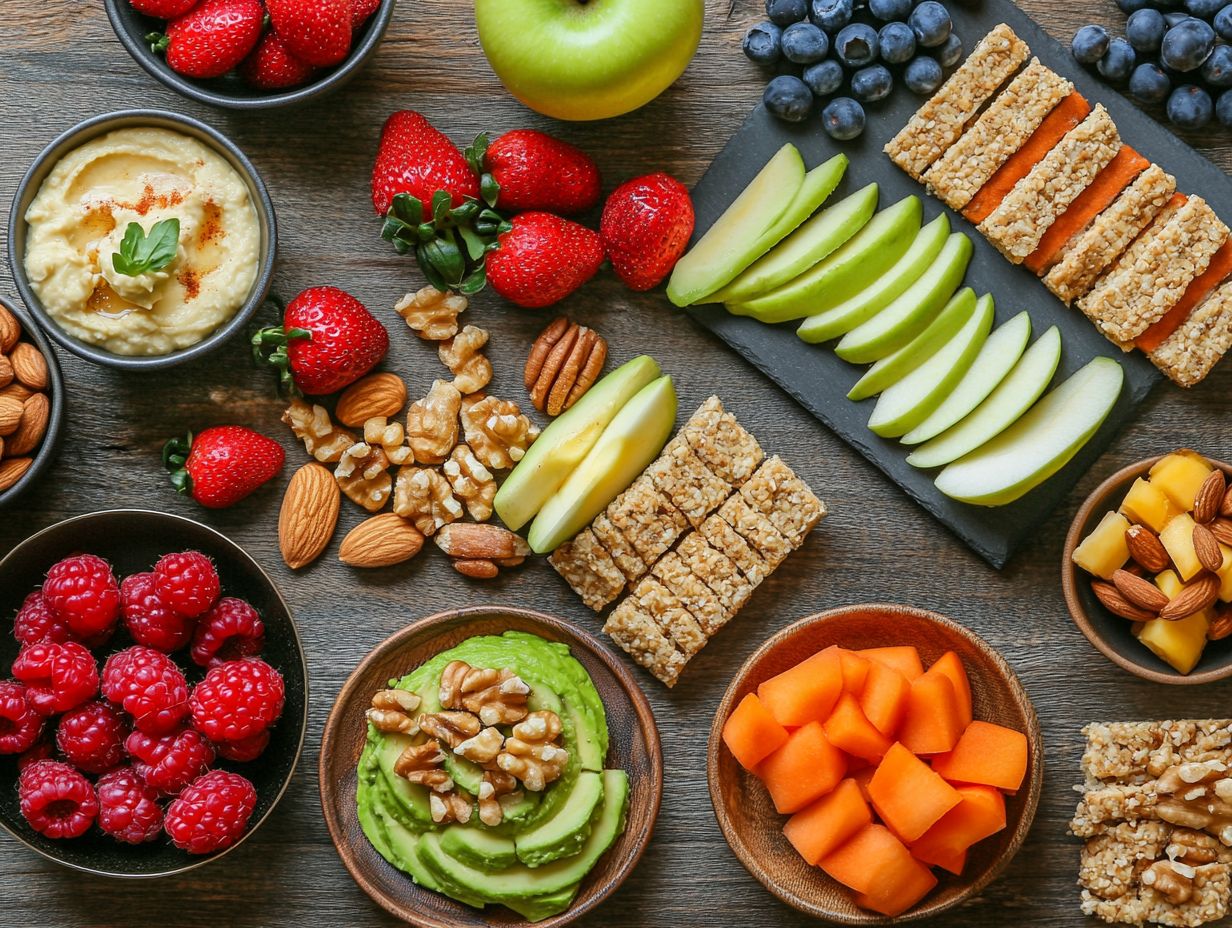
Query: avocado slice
x,y
518,810
566,831
479,846
411,798
538,908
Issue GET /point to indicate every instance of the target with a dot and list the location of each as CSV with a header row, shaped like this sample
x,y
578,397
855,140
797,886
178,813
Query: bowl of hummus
x,y
142,239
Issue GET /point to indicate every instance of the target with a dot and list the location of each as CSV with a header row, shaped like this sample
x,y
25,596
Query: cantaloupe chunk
x,y
848,730
980,813
805,693
950,665
1177,539
854,862
933,721
903,658
884,699
751,733
908,794
820,828
896,886
1148,505
1104,550
1179,475
805,768
855,671
987,755
955,863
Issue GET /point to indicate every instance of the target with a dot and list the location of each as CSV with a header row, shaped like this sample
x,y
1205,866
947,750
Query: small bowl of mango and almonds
x,y
1147,568
31,401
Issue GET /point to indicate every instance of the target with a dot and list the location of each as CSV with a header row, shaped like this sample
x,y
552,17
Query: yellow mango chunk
x,y
1225,574
1169,583
1148,505
1180,475
1179,644
1104,550
1177,538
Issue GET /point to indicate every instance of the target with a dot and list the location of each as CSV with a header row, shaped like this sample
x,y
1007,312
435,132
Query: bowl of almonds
x,y
31,401
1147,568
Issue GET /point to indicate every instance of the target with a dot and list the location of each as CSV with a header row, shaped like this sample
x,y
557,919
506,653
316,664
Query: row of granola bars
x,y
689,541
1047,179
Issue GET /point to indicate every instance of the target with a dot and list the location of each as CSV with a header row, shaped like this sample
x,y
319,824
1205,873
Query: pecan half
x,y
564,363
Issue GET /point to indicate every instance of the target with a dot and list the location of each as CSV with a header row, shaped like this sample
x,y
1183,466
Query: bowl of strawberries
x,y
251,54
154,696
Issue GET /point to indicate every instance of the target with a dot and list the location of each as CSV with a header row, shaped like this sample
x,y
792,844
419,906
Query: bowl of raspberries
x,y
153,693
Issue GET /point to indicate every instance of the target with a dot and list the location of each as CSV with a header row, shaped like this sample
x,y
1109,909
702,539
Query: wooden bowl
x,y
634,748
132,540
1111,634
748,818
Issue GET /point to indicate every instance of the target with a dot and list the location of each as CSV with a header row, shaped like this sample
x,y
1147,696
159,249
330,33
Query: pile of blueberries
x,y
815,46
1171,55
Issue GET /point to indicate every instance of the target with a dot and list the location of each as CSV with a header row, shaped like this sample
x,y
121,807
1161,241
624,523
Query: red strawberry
x,y
315,31
542,259
211,38
327,341
646,226
272,67
361,10
163,9
416,158
222,465
536,171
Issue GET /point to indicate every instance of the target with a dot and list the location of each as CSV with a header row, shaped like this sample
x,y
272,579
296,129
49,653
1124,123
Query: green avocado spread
x,y
546,843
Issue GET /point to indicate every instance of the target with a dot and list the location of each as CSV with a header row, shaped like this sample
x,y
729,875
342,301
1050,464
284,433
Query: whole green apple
x,y
588,59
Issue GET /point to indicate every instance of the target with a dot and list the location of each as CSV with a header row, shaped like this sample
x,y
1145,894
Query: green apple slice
x,y
866,256
1012,397
894,367
906,403
730,245
630,442
1040,443
564,443
809,244
842,317
911,311
995,360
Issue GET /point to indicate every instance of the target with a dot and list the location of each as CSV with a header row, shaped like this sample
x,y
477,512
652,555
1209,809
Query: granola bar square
x,y
676,622
589,569
754,527
784,499
648,519
721,535
716,570
619,547
1198,344
722,443
692,487
640,637
693,593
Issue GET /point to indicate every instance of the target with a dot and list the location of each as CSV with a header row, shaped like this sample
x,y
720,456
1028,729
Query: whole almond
x,y
1200,593
1221,528
29,366
309,515
476,568
17,391
1139,591
12,470
382,394
10,414
34,415
479,540
1221,625
1209,497
381,541
1206,546
1225,508
10,330
1146,548
1117,604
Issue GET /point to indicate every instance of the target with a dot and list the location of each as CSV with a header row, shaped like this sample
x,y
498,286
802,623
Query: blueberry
x,y
1089,44
868,85
824,77
1203,9
788,98
1223,23
1186,45
1223,108
843,118
831,15
922,75
786,12
896,42
1190,107
1145,30
889,11
1118,61
1217,69
762,43
1133,6
951,51
804,43
856,45
1149,84
931,23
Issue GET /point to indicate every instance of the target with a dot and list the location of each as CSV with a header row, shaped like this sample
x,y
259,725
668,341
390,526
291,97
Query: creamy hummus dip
x,y
142,175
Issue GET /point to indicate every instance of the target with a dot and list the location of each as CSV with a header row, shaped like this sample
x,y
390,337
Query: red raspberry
x,y
58,675
37,622
148,620
212,813
91,737
20,725
148,686
186,582
230,630
238,699
168,763
43,750
56,800
82,591
245,750
128,810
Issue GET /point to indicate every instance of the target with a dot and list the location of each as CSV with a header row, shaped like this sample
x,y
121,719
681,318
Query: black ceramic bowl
x,y
133,540
92,128
229,91
46,451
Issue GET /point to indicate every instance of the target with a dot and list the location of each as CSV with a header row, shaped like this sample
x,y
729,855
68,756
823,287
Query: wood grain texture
x,y
62,64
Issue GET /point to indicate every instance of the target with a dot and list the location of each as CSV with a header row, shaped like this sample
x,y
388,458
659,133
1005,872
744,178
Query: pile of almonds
x,y
25,406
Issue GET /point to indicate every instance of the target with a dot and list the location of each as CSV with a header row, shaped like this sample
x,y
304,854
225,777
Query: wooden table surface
x,y
61,64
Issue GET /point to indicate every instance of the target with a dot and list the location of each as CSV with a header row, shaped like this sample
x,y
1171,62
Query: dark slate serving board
x,y
819,381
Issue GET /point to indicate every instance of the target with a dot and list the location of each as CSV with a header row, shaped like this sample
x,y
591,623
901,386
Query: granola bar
x,y
589,569
722,443
784,499
1137,751
638,634
693,593
997,134
1189,353
721,535
619,547
940,121
754,527
692,487
676,622
647,518
716,570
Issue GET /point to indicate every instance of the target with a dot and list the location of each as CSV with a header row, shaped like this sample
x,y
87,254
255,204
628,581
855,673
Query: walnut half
x,y
532,753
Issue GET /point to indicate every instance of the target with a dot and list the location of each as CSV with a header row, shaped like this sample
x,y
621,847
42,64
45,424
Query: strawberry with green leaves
x,y
645,227
528,170
542,259
222,465
418,159
211,38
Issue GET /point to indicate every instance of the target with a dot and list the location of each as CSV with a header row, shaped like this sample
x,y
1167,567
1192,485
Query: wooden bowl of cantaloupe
x,y
875,763
1159,494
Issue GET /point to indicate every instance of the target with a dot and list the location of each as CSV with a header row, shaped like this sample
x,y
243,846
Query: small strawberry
x,y
222,465
272,67
326,342
163,9
361,10
415,158
315,31
211,38
533,170
542,259
646,226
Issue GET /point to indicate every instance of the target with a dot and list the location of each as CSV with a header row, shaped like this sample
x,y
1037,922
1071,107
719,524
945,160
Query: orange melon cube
x,y
751,733
820,828
909,795
805,693
805,767
854,862
988,755
950,665
980,813
896,886
903,658
933,721
848,730
884,699
955,863
855,671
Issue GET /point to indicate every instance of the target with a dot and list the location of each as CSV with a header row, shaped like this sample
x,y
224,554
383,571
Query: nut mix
x,y
565,361
25,407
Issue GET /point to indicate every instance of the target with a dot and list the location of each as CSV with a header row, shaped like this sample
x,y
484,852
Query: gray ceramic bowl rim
x,y
51,437
222,539
92,128
336,77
